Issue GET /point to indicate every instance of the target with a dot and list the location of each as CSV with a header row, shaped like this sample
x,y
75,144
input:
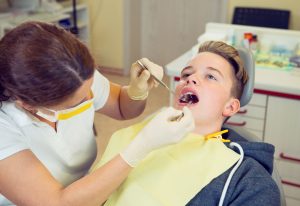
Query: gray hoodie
x,y
251,184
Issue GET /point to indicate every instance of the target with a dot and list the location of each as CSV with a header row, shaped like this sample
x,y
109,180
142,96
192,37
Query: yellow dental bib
x,y
172,175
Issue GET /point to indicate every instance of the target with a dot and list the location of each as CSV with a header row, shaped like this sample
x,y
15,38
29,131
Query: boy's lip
x,y
184,91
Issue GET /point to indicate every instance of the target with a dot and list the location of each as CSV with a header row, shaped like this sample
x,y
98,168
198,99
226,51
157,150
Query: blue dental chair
x,y
245,99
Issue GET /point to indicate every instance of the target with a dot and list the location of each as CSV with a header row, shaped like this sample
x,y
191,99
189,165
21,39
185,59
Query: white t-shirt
x,y
67,153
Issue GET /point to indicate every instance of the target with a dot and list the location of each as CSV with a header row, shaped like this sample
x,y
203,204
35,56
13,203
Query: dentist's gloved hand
x,y
141,81
159,132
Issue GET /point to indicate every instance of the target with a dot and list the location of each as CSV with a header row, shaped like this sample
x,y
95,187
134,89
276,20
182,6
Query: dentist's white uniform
x,y
67,153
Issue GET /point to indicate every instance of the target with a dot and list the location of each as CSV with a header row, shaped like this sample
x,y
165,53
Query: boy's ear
x,y
231,107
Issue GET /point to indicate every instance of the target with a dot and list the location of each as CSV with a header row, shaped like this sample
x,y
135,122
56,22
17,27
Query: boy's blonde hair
x,y
232,56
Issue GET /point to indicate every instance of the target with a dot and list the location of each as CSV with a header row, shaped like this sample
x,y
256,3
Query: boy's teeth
x,y
188,98
186,94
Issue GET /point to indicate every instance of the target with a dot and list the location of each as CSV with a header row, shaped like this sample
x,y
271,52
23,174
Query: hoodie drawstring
x,y
232,144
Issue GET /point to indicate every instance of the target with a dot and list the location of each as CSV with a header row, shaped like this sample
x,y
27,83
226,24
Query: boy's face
x,y
205,87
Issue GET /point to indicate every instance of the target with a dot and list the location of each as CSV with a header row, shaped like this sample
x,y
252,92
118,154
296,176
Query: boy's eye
x,y
185,75
210,76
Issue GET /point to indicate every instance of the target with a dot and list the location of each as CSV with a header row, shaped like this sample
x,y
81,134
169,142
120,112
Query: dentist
x,y
49,91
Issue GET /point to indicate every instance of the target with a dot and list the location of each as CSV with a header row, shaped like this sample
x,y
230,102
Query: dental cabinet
x,y
273,113
62,16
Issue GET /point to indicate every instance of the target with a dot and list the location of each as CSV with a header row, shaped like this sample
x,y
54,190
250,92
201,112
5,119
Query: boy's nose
x,y
191,81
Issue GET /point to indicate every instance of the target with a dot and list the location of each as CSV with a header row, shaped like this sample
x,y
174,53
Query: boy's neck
x,y
203,129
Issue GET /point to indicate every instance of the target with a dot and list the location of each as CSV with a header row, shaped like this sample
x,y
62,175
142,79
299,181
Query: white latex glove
x,y
159,132
141,81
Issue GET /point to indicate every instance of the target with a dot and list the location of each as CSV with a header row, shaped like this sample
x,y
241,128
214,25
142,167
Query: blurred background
x,y
121,31
168,32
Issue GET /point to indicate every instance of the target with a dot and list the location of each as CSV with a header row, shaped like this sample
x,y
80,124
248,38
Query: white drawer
x,y
290,174
288,169
282,127
253,111
292,202
246,122
258,100
291,192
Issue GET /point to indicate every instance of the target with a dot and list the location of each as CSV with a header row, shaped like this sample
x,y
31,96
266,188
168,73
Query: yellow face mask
x,y
67,113
172,175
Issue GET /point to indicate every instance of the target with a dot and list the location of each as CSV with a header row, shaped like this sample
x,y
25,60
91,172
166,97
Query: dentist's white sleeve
x,y
100,89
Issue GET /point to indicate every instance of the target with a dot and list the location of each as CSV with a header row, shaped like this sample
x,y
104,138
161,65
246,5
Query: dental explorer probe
x,y
154,77
172,119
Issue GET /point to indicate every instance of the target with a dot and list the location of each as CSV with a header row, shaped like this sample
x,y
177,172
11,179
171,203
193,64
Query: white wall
x,y
171,27
106,19
163,30
132,32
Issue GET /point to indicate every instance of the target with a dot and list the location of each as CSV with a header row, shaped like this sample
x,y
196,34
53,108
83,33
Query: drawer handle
x,y
242,111
286,157
239,124
286,182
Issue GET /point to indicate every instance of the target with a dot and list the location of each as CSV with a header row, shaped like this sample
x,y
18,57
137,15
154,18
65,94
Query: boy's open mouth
x,y
188,98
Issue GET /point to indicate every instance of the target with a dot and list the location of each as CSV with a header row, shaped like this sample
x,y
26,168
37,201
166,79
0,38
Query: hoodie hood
x,y
260,151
